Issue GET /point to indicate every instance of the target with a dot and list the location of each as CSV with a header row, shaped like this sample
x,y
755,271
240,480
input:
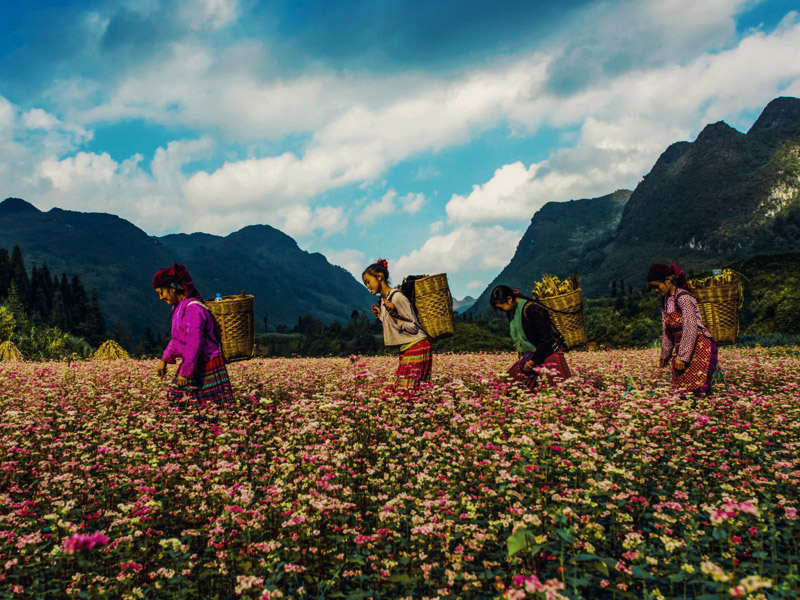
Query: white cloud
x,y
83,168
378,208
355,261
210,14
476,285
463,249
412,203
36,118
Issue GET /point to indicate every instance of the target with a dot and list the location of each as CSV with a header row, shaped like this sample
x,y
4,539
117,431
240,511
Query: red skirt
x,y
556,363
211,385
415,365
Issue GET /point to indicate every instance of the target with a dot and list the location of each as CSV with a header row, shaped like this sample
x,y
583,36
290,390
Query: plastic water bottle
x,y
716,272
218,298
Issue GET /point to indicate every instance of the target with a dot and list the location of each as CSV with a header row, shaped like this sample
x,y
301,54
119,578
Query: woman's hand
x,y
388,304
161,369
679,364
528,366
376,310
181,380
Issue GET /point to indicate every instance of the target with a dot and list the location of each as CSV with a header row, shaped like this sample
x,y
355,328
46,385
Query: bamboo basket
x,y
566,312
719,302
434,306
235,319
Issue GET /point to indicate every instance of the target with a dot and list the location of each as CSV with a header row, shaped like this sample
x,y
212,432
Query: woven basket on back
x,y
719,307
566,312
434,306
235,317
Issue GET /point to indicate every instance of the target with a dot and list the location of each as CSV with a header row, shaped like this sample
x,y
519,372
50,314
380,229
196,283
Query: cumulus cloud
x,y
389,204
463,249
349,258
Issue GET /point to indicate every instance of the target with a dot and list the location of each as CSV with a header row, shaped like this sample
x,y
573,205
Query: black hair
x,y
501,292
381,267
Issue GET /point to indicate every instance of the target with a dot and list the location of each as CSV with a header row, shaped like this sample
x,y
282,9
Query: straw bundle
x,y
564,303
110,350
10,353
719,298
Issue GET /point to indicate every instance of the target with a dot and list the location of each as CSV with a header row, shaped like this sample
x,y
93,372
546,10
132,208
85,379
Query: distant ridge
x,y
722,198
119,259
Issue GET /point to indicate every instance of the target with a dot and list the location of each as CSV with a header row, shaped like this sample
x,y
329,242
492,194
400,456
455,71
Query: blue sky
x,y
427,133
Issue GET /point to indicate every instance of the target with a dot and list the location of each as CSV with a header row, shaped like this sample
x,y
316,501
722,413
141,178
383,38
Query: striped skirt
x,y
211,385
556,363
415,365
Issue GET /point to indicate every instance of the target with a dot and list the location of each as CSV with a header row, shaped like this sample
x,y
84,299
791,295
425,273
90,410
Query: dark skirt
x,y
555,362
210,385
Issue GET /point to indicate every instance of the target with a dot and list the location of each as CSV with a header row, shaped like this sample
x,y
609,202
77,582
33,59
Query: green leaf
x,y
601,566
401,578
518,542
566,534
640,573
676,577
357,558
585,557
719,534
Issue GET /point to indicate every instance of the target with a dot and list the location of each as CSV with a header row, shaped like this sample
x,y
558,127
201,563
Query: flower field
x,y
314,486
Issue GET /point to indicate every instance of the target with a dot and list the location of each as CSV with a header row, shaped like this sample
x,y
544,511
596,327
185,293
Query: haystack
x,y
110,350
10,353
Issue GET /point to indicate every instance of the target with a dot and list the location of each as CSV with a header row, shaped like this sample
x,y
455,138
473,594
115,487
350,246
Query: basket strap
x,y
402,318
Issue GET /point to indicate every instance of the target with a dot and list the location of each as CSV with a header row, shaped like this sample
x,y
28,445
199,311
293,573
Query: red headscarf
x,y
660,272
176,274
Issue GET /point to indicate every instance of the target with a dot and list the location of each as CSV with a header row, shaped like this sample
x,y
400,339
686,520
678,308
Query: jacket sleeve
x,y
689,312
407,322
666,340
171,352
193,328
537,327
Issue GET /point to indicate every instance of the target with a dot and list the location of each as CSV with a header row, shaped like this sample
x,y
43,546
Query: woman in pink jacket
x,y
201,375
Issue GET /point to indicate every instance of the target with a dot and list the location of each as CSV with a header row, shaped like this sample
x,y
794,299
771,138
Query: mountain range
x,y
119,259
724,197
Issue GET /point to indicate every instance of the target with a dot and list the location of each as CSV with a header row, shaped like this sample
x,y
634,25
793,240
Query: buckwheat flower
x,y
791,512
80,541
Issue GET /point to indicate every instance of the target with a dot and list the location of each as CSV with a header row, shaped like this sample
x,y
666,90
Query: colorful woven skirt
x,y
555,363
211,385
415,365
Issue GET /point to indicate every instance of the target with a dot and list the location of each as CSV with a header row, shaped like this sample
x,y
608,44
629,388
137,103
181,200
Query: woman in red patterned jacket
x,y
686,344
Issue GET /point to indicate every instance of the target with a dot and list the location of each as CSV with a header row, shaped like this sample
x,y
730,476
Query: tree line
x,y
45,314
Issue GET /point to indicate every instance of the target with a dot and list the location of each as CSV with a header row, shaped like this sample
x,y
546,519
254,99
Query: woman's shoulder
x,y
396,294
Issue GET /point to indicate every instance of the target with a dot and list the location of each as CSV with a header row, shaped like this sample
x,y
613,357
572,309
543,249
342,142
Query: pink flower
x,y
81,541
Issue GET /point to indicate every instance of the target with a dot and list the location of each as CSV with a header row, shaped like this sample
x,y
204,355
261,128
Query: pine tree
x,y
81,306
5,272
95,323
17,309
58,316
20,277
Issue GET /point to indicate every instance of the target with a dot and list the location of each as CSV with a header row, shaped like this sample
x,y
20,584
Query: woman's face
x,y
168,295
373,283
662,287
507,305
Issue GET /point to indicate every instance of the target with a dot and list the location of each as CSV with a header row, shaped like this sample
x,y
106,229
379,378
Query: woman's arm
x,y
407,322
537,327
666,343
690,331
192,326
